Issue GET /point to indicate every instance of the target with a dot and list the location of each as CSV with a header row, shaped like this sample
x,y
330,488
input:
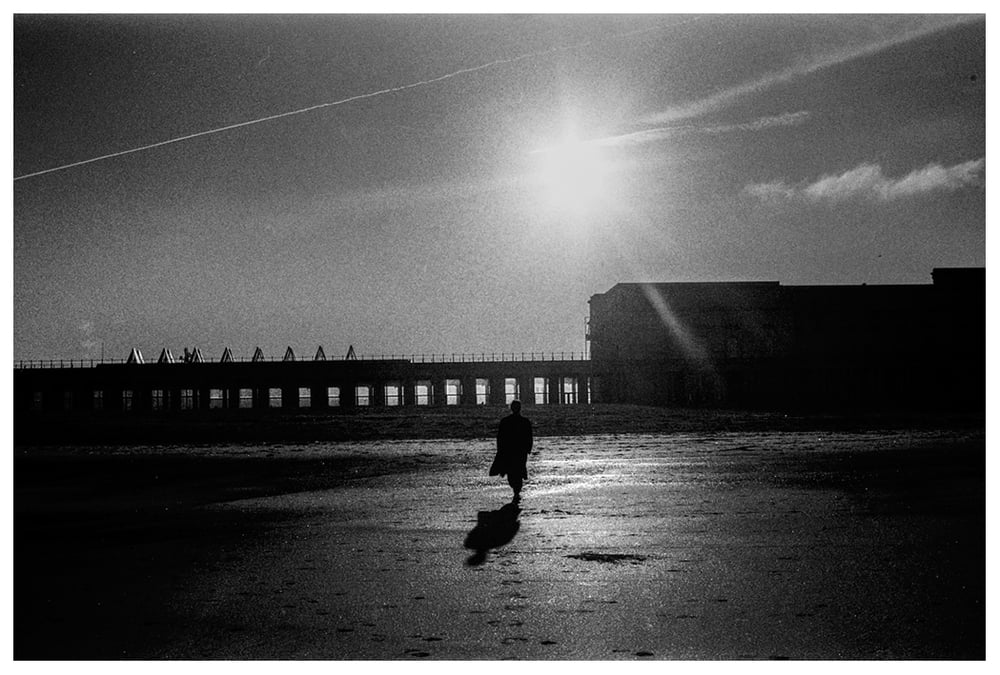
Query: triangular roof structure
x,y
320,354
351,356
258,355
289,355
227,356
165,356
135,356
196,356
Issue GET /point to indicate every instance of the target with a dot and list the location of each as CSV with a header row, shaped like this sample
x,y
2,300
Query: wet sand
x,y
747,544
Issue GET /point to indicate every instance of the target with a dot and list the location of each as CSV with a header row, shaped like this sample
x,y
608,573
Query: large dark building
x,y
764,345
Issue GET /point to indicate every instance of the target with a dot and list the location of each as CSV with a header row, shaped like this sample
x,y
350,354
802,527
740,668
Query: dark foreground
x,y
747,544
416,422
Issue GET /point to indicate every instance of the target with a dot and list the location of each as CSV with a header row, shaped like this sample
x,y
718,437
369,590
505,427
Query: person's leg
x,y
515,484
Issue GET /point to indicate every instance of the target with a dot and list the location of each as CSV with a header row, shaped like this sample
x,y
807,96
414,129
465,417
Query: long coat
x,y
514,441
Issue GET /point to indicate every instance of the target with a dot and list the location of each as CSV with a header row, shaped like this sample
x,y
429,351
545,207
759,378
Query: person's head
x,y
515,407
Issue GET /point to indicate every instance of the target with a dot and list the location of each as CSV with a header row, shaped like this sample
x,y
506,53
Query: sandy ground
x,y
726,545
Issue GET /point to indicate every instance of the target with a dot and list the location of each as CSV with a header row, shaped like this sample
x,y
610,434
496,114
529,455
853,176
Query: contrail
x,y
724,98
662,133
358,97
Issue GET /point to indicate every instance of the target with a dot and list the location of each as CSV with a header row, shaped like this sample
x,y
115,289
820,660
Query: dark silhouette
x,y
764,345
514,441
493,529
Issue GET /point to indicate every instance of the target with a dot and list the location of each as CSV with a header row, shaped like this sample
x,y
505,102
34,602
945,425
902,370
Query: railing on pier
x,y
494,357
482,357
62,363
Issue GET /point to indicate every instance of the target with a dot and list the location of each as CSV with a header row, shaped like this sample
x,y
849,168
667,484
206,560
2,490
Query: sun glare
x,y
575,179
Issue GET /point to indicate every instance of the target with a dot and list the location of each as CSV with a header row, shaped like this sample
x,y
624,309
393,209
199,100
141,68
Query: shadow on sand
x,y
493,529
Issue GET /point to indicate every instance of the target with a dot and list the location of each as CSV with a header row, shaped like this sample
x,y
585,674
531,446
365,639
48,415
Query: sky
x,y
416,184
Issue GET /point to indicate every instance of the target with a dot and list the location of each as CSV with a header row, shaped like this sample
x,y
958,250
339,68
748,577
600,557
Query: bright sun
x,y
575,178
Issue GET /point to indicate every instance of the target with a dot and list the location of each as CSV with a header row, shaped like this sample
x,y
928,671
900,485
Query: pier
x,y
290,384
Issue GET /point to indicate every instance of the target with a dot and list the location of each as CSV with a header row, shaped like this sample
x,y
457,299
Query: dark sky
x,y
545,159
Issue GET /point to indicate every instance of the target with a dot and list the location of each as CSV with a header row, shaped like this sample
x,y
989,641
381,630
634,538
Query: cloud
x,y
782,120
770,191
787,119
937,177
867,181
726,97
640,137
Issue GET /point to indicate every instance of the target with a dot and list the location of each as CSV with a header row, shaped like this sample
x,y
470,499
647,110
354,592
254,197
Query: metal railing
x,y
493,357
482,357
62,363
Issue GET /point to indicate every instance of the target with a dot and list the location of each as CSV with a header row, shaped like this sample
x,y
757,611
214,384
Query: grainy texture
x,y
705,545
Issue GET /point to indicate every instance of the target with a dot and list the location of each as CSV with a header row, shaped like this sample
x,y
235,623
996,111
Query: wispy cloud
x,y
867,181
662,133
726,97
782,120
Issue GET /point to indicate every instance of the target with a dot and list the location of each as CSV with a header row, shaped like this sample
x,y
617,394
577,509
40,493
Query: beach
x,y
835,539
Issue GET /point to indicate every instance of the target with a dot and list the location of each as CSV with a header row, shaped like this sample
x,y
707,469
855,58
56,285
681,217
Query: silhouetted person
x,y
514,441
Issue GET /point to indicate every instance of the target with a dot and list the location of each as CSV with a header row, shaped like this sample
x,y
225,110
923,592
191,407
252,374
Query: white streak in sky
x,y
359,97
782,120
663,133
726,97
867,181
